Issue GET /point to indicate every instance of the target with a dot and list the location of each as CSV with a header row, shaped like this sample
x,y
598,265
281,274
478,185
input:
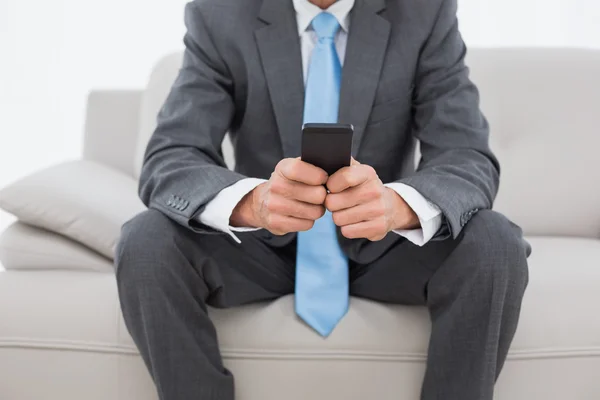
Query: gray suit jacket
x,y
404,79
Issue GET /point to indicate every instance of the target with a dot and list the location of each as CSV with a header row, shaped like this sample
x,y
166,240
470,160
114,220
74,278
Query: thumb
x,y
354,162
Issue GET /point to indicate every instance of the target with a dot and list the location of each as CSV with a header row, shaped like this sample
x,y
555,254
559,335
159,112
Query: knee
x,y
143,248
498,250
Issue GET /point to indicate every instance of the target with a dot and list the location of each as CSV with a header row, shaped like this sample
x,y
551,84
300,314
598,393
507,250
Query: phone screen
x,y
327,146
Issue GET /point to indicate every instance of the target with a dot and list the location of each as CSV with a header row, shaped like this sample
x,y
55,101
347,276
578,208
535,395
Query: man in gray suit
x,y
215,237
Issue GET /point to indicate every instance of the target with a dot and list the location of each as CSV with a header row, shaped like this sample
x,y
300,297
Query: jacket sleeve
x,y
183,164
457,171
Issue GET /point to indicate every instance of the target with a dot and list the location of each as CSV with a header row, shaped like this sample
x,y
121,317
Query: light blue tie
x,y
322,267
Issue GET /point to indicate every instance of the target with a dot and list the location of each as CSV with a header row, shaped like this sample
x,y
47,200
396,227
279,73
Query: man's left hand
x,y
363,207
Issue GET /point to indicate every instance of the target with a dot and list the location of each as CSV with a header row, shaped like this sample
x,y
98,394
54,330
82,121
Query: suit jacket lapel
x,y
365,53
279,49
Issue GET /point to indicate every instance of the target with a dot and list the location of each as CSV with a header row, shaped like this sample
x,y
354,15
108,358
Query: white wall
x,y
53,52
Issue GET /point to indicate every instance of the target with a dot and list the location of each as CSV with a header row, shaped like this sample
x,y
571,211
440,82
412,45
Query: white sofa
x,y
61,332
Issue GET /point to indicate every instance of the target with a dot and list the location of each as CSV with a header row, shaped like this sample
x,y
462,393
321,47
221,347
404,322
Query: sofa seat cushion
x,y
72,308
78,311
562,303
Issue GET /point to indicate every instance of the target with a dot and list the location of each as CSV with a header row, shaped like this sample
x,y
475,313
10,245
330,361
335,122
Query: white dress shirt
x,y
218,211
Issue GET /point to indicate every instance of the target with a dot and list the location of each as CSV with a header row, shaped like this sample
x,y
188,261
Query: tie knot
x,y
325,25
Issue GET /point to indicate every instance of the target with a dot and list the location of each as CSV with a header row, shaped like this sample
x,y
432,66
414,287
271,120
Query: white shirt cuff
x,y
218,211
430,215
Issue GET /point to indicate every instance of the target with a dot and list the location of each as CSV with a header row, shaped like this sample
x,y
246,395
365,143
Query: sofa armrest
x,y
82,200
112,117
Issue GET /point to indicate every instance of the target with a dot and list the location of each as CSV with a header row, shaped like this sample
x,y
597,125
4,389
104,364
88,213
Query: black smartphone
x,y
327,146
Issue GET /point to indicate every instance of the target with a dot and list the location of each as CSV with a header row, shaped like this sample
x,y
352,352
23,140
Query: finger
x,y
373,230
299,191
360,213
354,162
293,208
281,224
365,193
350,177
310,194
297,170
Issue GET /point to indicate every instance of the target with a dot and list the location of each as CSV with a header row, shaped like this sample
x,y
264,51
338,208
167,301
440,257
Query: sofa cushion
x,y
558,333
375,344
27,247
82,200
542,105
562,294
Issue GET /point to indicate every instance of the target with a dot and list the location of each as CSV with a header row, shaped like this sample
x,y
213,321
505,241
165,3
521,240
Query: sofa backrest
x,y
544,110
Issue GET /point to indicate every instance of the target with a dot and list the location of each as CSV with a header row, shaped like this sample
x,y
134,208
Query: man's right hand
x,y
290,201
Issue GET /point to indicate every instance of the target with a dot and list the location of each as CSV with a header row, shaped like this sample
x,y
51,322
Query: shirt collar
x,y
307,11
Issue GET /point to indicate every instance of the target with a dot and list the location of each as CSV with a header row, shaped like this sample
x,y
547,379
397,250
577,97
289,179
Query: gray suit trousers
x,y
168,275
